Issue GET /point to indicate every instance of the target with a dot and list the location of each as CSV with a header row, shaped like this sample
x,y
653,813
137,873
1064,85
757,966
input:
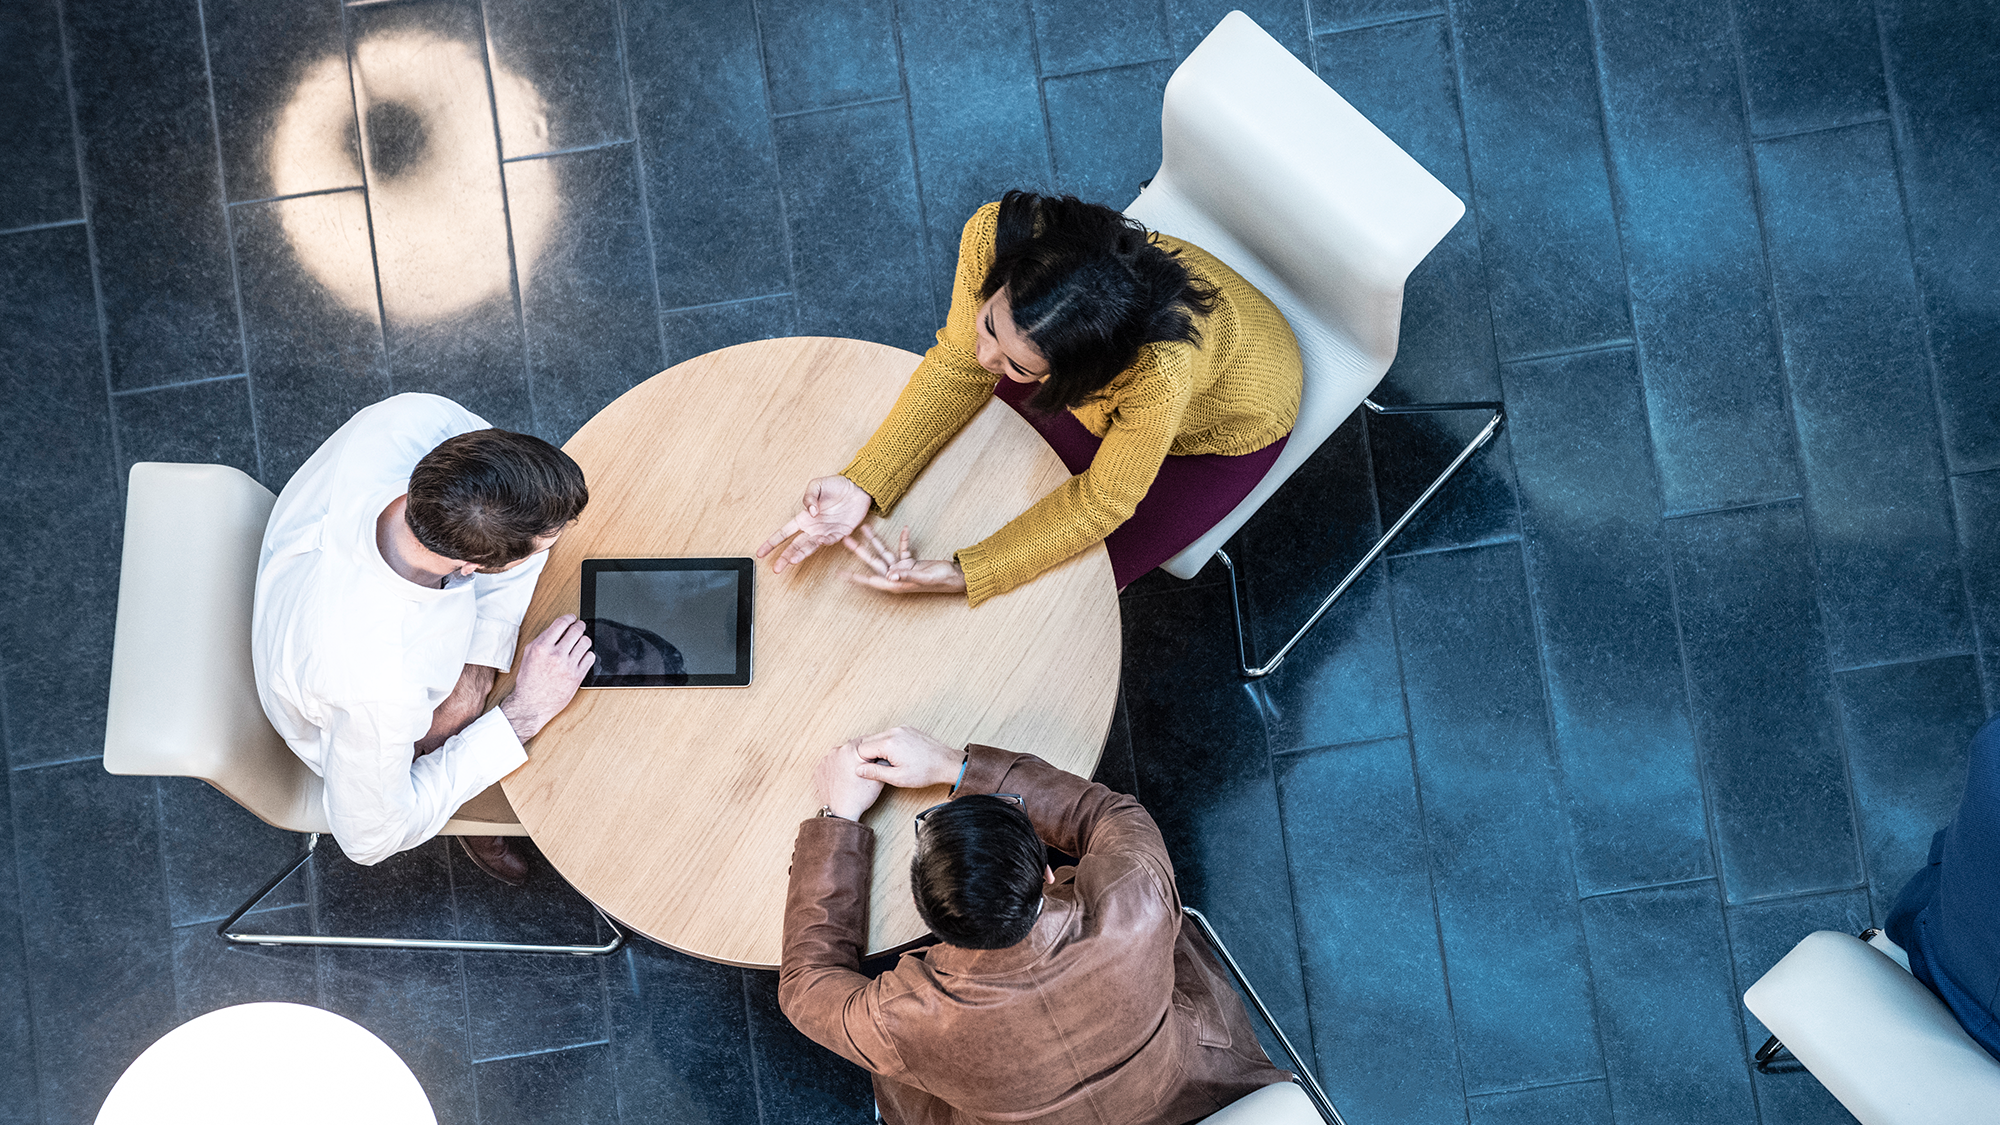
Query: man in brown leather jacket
x,y
1054,997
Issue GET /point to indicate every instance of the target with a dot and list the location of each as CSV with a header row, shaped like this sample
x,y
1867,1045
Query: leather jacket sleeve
x,y
820,986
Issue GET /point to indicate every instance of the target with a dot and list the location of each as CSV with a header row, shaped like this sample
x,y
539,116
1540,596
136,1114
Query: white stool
x,y
259,1062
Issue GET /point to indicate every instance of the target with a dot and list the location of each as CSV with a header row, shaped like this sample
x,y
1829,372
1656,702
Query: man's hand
x,y
908,758
466,702
900,573
839,784
552,666
832,508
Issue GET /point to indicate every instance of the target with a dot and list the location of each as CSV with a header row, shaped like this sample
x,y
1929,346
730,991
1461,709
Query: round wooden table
x,y
675,809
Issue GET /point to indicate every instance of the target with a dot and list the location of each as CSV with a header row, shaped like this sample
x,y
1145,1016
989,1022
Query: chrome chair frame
x,y
1305,1079
1243,640
230,933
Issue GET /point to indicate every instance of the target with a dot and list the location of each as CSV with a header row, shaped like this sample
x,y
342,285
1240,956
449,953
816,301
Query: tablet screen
x,y
668,622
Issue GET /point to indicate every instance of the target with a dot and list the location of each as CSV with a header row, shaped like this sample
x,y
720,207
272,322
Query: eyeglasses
x,y
916,828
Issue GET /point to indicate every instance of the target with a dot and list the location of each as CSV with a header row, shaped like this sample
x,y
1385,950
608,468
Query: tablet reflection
x,y
629,650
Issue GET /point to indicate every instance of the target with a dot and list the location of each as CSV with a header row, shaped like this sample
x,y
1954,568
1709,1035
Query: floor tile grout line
x,y
354,83
1312,40
32,227
916,166
1665,884
90,249
296,195
1313,31
771,133
1272,763
1622,344
1136,64
621,24
1807,486
135,392
1798,896
1757,138
166,878
1334,747
610,1027
1503,1090
750,1042
1041,88
507,221
731,302
1746,506
1896,662
1775,336
479,1062
810,110
1932,368
1898,144
1424,830
21,914
56,762
555,152
229,235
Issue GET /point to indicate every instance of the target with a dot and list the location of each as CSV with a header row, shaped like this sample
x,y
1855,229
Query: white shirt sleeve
x,y
378,802
503,601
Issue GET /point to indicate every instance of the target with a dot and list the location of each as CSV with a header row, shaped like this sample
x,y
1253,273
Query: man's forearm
x,y
1072,814
826,922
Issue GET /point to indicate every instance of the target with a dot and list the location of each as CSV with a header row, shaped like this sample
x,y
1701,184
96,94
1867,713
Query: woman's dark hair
x,y
486,496
1089,289
977,874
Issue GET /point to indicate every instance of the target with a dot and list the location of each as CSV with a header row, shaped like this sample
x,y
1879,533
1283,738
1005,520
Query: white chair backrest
x,y
1280,1103
183,696
1265,167
1874,1036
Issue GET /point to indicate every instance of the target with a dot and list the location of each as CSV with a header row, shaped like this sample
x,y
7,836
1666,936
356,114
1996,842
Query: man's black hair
x,y
485,497
977,874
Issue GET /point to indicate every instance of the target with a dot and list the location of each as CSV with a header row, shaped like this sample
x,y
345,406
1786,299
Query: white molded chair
x,y
184,697
1268,169
1848,1009
1298,1102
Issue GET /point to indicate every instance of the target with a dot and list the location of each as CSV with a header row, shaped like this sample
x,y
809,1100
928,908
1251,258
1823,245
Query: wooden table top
x,y
675,809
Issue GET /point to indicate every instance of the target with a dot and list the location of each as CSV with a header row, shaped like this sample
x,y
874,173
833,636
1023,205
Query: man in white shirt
x,y
396,569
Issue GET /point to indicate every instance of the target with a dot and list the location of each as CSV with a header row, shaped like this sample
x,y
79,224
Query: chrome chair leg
x,y
1258,671
1306,1081
229,932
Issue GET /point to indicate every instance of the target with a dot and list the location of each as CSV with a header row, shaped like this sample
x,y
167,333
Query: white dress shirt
x,y
352,658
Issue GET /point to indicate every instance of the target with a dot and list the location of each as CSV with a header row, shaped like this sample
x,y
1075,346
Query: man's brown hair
x,y
485,496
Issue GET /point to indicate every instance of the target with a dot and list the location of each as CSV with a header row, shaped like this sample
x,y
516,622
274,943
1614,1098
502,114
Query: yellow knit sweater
x,y
1235,394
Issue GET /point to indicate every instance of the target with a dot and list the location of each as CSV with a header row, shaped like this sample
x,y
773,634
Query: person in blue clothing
x,y
1948,917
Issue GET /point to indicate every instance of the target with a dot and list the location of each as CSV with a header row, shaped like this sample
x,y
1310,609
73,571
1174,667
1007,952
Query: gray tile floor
x,y
1682,669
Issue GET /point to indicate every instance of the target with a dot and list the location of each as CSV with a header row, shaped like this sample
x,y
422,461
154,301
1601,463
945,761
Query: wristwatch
x,y
827,810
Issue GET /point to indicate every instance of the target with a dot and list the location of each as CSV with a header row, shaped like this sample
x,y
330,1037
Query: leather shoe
x,y
498,857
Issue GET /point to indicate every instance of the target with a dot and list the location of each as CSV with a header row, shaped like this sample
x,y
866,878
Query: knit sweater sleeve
x,y
948,388
1151,399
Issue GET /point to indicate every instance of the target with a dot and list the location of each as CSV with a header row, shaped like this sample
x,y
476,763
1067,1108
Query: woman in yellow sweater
x,y
1166,383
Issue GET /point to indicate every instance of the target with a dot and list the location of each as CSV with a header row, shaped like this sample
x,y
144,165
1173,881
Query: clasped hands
x,y
851,775
834,509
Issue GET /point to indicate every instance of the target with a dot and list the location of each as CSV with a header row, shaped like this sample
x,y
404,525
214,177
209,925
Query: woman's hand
x,y
898,573
833,508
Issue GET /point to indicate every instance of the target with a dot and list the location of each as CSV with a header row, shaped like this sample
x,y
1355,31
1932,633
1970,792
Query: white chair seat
x,y
1874,1036
1280,1103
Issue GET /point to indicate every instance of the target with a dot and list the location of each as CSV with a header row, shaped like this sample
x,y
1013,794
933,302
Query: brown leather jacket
x,y
1106,1013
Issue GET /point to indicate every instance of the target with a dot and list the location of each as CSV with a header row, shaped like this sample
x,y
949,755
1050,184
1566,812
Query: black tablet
x,y
668,622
